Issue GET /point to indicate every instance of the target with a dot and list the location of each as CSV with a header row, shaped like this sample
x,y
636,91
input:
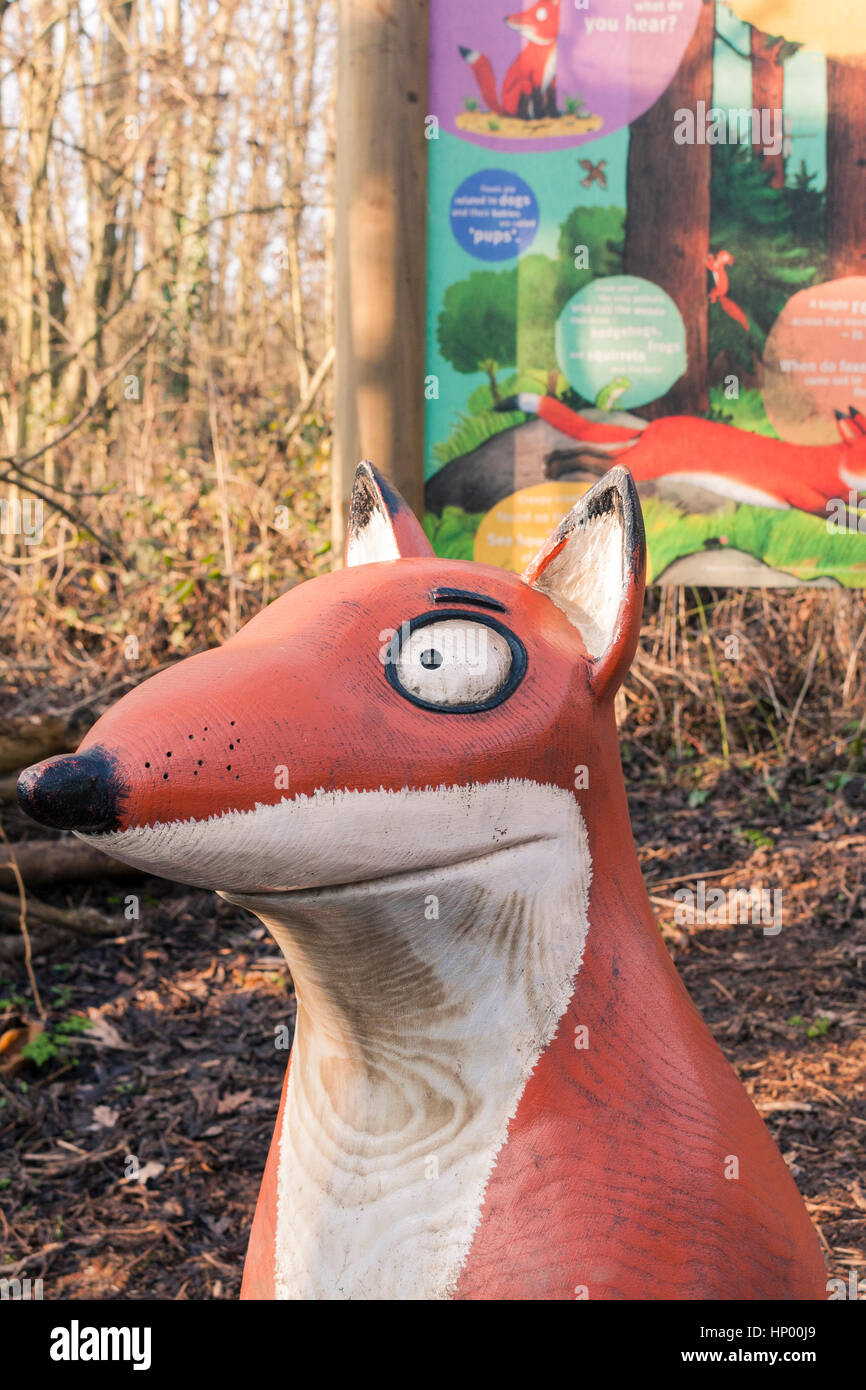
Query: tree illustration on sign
x,y
477,325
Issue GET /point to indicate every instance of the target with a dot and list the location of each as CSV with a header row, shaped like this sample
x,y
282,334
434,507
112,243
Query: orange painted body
x,y
613,1179
807,476
612,1183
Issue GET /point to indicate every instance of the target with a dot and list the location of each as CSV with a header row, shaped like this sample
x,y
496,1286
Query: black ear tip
x,y
614,491
617,492
371,491
366,472
382,525
367,482
620,477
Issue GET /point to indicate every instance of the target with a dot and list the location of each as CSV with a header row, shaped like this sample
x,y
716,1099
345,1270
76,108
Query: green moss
x,y
453,534
792,541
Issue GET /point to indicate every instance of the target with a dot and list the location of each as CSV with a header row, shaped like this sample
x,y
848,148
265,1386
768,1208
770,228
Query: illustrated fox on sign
x,y
408,769
529,86
733,463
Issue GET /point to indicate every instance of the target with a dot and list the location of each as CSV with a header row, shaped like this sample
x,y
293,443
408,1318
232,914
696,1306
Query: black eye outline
x,y
519,661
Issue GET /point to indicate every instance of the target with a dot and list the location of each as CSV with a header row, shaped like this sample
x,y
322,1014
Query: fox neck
x,y
424,1002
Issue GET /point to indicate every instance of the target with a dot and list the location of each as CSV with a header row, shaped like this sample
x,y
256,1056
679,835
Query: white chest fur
x,y
425,1002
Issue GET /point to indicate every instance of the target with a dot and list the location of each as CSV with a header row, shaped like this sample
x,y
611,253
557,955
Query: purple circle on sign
x,y
494,215
606,60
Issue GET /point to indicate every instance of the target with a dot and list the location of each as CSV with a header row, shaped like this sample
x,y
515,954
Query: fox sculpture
x,y
408,769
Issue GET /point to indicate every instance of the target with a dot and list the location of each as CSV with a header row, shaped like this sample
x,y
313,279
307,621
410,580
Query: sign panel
x,y
646,245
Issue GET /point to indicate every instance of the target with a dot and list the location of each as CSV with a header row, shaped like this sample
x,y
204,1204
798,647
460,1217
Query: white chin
x,y
330,839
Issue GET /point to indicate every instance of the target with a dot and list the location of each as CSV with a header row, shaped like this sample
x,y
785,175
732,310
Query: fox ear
x,y
381,526
847,427
593,566
857,418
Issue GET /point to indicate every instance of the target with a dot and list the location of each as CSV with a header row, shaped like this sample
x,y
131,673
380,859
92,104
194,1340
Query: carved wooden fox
x,y
499,1088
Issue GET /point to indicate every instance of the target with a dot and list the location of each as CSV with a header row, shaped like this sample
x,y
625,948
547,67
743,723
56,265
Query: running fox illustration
x,y
730,462
529,86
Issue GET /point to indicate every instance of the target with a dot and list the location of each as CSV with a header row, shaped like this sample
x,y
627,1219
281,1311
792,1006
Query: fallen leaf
x,y
103,1033
230,1103
11,1043
104,1117
151,1169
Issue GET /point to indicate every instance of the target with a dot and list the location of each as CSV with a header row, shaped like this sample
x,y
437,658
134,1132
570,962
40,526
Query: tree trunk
x,y
846,168
768,93
490,368
667,236
381,202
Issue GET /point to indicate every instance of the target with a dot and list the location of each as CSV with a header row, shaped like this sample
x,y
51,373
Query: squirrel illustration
x,y
594,173
529,86
716,265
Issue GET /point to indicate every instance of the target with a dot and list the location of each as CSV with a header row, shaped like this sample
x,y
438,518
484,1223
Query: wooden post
x,y
381,214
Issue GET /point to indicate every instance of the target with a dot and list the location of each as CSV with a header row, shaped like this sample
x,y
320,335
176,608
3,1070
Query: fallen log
x,y
59,861
42,939
29,739
81,920
9,789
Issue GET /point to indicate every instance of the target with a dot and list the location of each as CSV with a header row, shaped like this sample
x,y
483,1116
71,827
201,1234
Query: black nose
x,y
77,791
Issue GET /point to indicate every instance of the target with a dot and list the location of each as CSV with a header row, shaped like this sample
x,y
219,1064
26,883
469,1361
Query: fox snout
x,y
178,747
76,791
538,24
367,701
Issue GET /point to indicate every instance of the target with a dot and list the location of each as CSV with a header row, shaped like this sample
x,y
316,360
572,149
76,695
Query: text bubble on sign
x,y
591,65
836,27
515,529
815,361
494,215
621,329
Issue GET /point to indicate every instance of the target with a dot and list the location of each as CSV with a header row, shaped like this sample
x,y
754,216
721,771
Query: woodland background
x,y
166,235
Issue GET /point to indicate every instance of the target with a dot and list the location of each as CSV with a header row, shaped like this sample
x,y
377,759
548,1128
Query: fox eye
x,y
451,662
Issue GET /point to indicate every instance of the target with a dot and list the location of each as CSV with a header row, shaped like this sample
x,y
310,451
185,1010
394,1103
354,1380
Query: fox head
x,y
538,24
851,427
850,462
296,755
